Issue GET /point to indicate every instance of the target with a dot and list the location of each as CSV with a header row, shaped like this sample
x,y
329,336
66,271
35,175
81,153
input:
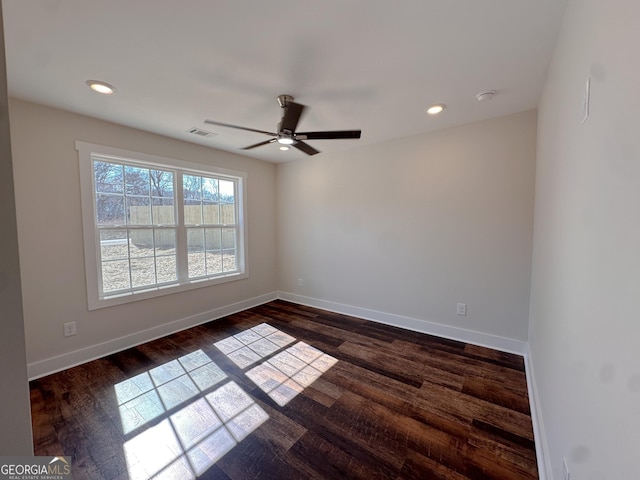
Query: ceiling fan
x,y
286,135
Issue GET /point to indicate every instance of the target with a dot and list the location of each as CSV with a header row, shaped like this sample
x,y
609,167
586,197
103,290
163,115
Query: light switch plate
x,y
586,100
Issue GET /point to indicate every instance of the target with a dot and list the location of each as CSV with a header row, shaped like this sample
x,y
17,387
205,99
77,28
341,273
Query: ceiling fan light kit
x,y
286,135
285,140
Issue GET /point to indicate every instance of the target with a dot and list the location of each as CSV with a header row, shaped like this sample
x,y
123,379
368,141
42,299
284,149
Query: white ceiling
x,y
357,64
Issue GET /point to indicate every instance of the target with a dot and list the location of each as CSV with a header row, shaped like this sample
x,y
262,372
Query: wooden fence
x,y
223,214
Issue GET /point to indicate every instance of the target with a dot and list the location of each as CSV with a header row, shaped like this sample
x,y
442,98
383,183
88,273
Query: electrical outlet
x,y
462,309
300,282
566,475
69,329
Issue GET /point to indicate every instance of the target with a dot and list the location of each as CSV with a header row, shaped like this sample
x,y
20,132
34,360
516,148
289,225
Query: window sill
x,y
128,297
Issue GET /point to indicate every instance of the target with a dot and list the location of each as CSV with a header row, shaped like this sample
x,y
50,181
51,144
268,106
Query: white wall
x,y
51,245
584,328
15,414
411,227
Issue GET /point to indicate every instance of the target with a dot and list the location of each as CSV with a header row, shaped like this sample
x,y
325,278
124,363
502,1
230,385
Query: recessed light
x,y
435,109
101,87
284,148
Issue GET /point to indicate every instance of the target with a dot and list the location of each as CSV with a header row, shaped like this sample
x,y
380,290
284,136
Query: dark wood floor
x,y
396,405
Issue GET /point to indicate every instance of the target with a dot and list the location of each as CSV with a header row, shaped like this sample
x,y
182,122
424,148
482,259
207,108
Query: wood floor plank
x,y
460,363
45,438
494,356
384,364
498,393
459,403
509,448
399,397
254,458
396,405
376,430
420,467
338,460
280,429
399,366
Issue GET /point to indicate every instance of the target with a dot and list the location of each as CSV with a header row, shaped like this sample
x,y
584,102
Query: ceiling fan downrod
x,y
283,100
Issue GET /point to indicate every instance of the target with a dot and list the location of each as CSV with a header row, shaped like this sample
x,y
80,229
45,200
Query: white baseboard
x,y
503,344
77,357
539,434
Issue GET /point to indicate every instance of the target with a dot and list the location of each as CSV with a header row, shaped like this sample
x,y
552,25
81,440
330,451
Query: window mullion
x,y
129,256
181,231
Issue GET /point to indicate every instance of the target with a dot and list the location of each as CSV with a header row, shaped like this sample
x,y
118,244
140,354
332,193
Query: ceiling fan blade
x,y
211,122
259,144
306,148
291,117
329,135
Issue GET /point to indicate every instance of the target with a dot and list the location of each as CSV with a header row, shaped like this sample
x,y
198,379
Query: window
x,y
154,226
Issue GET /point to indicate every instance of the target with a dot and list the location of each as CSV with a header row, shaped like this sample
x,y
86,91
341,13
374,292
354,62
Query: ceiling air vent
x,y
200,132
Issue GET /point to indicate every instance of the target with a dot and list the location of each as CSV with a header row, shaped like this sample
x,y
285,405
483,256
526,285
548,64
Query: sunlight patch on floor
x,y
288,373
250,346
184,442
284,375
183,416
149,395
190,441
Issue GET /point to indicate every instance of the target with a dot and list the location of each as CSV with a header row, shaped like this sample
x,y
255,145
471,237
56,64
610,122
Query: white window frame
x,y
92,251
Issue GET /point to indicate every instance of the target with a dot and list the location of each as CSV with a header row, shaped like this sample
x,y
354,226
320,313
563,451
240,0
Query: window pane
x,y
228,216
136,180
192,193
165,251
141,243
165,241
163,211
166,269
227,191
192,189
109,177
138,211
162,201
110,209
113,245
229,249
193,214
229,260
195,246
213,239
229,238
214,262
211,213
115,275
214,256
143,272
227,199
161,183
209,189
141,248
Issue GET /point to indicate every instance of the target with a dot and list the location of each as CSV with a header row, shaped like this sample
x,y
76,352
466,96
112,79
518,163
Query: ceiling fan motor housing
x,y
286,133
